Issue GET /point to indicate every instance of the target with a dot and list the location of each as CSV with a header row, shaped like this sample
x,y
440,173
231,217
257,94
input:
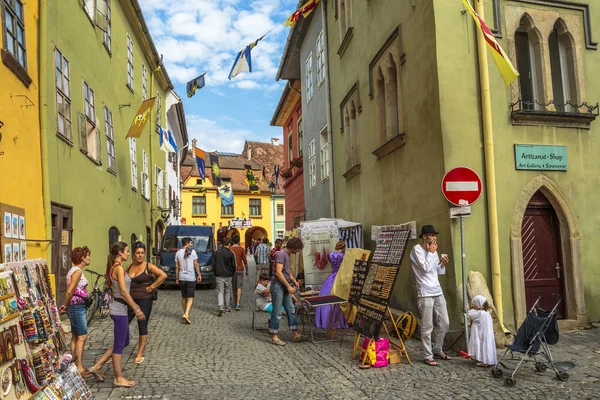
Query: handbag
x,y
87,300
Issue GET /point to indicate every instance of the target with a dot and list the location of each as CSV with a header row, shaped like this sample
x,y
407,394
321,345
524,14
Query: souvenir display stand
x,y
370,290
33,351
308,304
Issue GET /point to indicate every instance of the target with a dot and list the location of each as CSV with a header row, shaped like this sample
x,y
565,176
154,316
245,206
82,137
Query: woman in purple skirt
x,y
323,314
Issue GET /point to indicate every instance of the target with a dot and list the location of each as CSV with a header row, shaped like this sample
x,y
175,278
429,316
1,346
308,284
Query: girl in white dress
x,y
482,345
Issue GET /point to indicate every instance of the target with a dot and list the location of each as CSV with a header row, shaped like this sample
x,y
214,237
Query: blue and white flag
x,y
226,193
243,61
167,143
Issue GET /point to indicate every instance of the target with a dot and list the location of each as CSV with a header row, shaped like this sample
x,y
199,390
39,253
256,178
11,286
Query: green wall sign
x,y
540,157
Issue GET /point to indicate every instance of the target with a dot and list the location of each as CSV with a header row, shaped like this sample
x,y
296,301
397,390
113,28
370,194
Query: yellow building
x,y
201,203
20,146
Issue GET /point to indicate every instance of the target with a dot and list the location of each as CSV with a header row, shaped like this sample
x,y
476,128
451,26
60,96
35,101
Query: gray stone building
x,y
305,58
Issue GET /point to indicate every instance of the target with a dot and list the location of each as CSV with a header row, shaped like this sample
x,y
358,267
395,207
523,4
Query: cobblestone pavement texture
x,y
222,358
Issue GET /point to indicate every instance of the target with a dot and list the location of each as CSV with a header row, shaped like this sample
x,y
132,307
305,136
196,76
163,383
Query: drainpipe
x,y
490,170
332,210
43,93
151,171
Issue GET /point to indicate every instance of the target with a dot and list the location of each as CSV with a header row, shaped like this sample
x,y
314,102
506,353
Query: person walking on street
x,y
120,284
224,263
241,263
142,285
262,257
187,274
283,285
74,306
426,266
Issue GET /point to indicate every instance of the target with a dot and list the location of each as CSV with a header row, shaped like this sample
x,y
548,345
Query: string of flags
x,y
167,143
304,11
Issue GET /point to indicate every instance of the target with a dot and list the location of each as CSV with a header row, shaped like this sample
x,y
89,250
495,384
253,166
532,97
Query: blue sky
x,y
198,35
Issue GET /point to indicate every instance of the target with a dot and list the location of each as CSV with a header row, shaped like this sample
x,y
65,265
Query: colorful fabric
x,y
243,61
226,193
81,288
323,313
140,119
215,171
304,11
251,180
262,253
167,143
508,72
199,154
195,84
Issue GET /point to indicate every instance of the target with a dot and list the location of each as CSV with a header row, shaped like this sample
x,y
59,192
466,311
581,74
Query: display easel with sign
x,y
372,285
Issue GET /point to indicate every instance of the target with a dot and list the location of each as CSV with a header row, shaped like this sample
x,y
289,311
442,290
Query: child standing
x,y
482,345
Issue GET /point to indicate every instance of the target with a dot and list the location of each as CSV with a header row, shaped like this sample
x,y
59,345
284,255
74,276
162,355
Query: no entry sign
x,y
461,186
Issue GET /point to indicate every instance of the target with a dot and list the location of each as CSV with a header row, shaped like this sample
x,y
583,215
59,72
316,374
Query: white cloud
x,y
212,136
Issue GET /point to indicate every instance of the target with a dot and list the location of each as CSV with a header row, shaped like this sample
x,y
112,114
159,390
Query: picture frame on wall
x,y
7,225
7,253
23,251
16,252
15,226
21,227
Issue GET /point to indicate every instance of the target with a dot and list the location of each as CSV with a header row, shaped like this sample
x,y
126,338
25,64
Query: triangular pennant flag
x,y
508,72
226,193
195,84
167,143
243,61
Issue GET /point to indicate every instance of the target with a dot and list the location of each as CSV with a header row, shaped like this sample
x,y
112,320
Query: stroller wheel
x,y
496,372
510,382
562,376
541,367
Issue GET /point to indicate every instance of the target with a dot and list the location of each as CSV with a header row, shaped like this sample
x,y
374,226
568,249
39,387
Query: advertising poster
x,y
319,241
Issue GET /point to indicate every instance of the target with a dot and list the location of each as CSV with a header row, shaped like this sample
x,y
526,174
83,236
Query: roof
x,y
267,155
289,97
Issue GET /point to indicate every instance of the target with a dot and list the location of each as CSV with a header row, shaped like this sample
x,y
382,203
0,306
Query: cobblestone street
x,y
221,358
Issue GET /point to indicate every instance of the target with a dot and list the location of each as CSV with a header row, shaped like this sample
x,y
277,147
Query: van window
x,y
202,244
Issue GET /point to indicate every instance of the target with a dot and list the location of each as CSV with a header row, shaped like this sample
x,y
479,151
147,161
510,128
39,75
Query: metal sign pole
x,y
464,279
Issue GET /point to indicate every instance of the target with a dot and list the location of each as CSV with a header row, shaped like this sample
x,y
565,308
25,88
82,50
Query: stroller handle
x,y
557,296
538,293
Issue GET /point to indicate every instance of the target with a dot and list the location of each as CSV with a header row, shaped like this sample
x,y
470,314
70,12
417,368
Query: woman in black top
x,y
142,285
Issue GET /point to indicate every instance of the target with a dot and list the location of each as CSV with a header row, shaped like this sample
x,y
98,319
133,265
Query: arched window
x,y
380,108
392,98
348,139
113,236
527,44
562,63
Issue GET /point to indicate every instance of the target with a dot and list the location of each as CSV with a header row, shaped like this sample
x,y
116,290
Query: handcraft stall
x,y
34,362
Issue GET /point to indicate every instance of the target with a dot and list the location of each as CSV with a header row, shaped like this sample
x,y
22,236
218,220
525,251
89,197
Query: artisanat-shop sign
x,y
241,223
540,157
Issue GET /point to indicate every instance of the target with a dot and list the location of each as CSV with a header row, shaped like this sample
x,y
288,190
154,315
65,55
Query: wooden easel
x,y
398,344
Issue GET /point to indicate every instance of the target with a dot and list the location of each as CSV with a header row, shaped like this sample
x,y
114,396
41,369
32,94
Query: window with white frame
x,y
279,210
63,97
308,70
108,34
130,76
199,205
158,182
133,162
300,137
290,146
144,82
158,110
89,136
110,141
13,30
312,164
255,207
145,176
89,7
324,155
320,58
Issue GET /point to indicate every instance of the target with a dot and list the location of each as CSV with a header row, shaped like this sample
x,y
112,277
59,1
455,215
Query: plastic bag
x,y
378,353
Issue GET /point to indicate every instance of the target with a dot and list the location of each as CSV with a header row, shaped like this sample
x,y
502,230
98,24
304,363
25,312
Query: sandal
x,y
85,374
431,362
126,385
99,376
139,360
443,356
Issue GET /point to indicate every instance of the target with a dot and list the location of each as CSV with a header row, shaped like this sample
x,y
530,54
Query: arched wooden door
x,y
542,254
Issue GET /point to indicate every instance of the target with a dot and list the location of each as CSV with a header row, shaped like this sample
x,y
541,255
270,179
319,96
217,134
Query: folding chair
x,y
254,320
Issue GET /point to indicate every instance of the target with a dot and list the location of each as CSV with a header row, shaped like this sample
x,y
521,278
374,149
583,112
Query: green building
x,y
406,107
97,63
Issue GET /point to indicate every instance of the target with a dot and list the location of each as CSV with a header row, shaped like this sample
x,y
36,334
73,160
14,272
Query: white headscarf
x,y
478,301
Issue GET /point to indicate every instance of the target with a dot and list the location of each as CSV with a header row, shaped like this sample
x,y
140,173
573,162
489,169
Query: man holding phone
x,y
426,266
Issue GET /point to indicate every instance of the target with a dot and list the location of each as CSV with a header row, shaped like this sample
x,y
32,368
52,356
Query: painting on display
x,y
15,226
23,251
7,253
16,252
7,225
21,227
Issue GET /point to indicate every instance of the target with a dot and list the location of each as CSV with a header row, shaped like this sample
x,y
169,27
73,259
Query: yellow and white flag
x,y
508,72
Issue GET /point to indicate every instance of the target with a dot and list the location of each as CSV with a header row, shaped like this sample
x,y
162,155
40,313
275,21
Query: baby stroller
x,y
536,333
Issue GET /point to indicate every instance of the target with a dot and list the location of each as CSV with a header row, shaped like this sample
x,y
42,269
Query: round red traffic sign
x,y
461,186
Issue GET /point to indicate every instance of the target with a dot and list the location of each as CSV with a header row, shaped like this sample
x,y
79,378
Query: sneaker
x,y
186,318
237,307
220,313
228,310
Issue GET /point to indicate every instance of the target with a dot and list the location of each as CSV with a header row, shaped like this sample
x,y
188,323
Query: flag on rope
x,y
215,171
251,179
199,154
167,143
508,72
277,170
195,84
226,193
243,61
263,175
305,10
140,119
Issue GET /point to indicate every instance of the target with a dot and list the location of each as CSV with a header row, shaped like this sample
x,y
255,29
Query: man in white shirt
x,y
426,266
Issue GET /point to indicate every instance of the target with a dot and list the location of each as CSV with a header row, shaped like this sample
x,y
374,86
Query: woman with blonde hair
x,y
323,313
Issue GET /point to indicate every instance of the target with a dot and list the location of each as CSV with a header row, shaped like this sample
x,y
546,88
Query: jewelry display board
x,y
359,275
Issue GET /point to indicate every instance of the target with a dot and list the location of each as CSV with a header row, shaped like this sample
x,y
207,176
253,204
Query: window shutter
x,y
82,133
98,142
101,15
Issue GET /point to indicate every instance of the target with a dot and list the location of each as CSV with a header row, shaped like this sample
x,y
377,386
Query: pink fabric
x,y
380,348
